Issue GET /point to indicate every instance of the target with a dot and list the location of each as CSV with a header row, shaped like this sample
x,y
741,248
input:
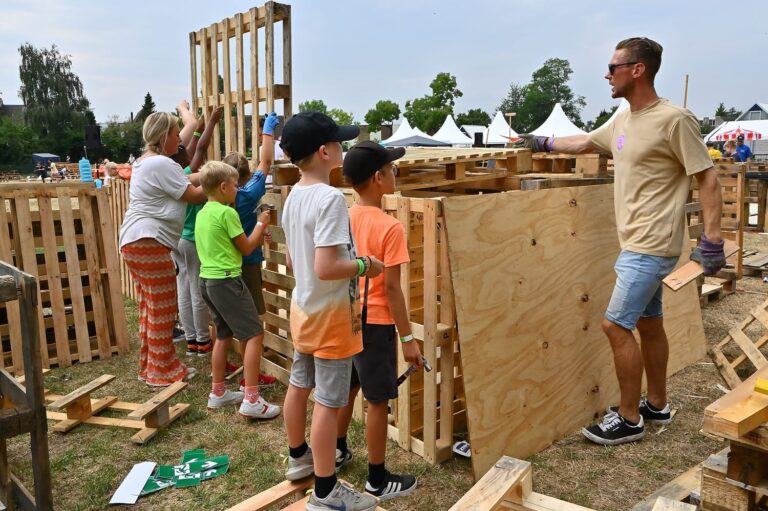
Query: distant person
x,y
729,149
67,158
713,151
131,159
110,172
53,171
743,153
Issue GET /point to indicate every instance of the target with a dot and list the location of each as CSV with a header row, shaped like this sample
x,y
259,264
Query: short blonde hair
x,y
239,162
156,129
214,173
111,168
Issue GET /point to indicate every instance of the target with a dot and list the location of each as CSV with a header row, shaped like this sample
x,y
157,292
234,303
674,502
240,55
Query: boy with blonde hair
x,y
221,244
325,319
368,166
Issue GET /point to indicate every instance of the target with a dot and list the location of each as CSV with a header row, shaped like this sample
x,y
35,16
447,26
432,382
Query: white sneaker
x,y
342,497
259,409
301,467
228,398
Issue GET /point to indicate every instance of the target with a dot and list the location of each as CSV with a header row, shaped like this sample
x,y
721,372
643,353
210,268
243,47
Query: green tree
x,y
17,141
56,107
429,112
120,139
474,116
601,118
341,117
383,114
729,114
318,105
146,109
534,101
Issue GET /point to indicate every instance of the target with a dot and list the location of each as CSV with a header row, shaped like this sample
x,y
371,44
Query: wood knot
x,y
572,203
585,298
596,389
585,327
545,345
533,243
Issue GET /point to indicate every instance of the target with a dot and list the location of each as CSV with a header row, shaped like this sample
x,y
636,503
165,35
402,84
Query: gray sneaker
x,y
301,467
342,498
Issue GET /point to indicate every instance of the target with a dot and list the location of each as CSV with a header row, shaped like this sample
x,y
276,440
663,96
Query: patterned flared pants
x,y
154,273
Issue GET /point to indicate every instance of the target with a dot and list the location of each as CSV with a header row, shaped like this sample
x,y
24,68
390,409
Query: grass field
x,y
89,463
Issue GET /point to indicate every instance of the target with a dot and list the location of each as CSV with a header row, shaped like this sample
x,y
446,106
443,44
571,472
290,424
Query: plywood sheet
x,y
533,274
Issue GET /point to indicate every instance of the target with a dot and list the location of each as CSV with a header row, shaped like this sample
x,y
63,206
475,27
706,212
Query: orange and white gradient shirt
x,y
325,314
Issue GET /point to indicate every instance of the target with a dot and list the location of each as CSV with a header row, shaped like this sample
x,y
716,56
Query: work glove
x,y
535,143
709,255
270,123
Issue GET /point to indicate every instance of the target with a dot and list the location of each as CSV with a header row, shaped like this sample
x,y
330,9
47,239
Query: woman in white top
x,y
159,194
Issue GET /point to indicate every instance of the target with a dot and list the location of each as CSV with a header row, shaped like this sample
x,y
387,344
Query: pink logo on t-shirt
x,y
620,142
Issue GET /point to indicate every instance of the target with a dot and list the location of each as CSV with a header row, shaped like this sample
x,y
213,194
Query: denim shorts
x,y
329,378
637,293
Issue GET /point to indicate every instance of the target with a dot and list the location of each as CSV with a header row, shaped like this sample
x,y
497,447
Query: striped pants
x,y
154,273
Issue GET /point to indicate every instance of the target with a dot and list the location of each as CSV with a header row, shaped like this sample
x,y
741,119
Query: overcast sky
x,y
351,53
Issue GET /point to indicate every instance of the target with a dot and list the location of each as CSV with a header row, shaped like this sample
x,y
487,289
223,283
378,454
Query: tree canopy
x,y
17,141
429,112
475,116
533,102
729,114
318,105
146,109
384,113
601,118
56,108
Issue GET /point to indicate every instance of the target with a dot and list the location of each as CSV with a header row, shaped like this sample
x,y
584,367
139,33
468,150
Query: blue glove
x,y
270,123
709,255
535,143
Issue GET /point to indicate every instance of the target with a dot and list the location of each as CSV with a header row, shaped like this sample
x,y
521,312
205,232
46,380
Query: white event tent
x,y
558,125
408,136
624,105
757,127
451,134
499,132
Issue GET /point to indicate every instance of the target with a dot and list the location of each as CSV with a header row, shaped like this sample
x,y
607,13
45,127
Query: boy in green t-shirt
x,y
221,244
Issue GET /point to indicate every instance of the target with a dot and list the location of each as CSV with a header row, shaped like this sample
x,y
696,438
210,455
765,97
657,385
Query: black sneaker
x,y
342,461
614,430
393,486
650,414
178,334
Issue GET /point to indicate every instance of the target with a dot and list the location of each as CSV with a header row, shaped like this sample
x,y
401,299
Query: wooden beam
x,y
508,479
85,390
691,270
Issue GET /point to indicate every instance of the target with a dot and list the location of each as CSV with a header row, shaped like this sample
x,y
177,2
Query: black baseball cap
x,y
306,131
740,137
364,159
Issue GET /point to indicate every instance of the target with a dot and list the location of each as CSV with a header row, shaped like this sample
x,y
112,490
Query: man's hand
x,y
535,143
709,255
270,123
412,353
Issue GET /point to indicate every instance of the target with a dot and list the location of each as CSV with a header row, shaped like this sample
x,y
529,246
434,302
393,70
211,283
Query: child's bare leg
x,y
376,432
345,414
295,414
252,360
323,439
219,359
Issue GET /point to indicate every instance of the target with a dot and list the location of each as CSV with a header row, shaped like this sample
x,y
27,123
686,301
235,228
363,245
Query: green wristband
x,y
406,338
197,134
360,267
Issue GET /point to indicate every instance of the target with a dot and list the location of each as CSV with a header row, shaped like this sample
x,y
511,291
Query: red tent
x,y
732,134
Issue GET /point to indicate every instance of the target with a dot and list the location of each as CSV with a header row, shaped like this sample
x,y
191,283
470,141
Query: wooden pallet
x,y
739,480
748,348
755,263
208,65
78,407
281,495
118,193
586,165
64,236
509,485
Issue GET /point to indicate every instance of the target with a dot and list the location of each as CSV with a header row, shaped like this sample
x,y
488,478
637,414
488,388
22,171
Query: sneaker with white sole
x,y
650,414
393,486
342,461
342,498
301,467
614,430
229,398
259,409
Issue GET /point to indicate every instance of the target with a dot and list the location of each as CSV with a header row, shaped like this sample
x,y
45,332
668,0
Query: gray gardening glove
x,y
709,255
535,143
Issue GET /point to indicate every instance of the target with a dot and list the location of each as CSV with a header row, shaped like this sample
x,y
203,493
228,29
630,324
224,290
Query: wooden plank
x,y
514,347
255,99
240,83
98,301
274,495
193,71
269,53
213,79
713,424
665,504
72,259
678,488
430,325
227,75
287,62
158,400
85,390
12,308
741,417
403,214
691,270
504,481
748,347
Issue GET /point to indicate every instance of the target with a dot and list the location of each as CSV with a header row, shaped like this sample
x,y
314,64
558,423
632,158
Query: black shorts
x,y
375,368
232,308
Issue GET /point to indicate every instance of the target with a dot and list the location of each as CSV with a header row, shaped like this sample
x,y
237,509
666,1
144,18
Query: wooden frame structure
x,y
78,407
119,195
215,63
22,409
63,235
748,349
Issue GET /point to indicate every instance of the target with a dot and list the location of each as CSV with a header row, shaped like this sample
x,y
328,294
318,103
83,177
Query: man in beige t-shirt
x,y
656,148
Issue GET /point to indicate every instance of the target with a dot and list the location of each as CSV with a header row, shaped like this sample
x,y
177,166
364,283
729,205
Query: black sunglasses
x,y
612,67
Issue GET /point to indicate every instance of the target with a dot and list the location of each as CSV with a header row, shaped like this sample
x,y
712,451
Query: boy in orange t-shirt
x,y
368,166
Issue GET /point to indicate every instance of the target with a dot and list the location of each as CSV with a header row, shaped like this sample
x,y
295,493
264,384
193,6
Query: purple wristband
x,y
549,144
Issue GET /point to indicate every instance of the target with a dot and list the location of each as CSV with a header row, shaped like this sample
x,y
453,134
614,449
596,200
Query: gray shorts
x,y
232,308
329,378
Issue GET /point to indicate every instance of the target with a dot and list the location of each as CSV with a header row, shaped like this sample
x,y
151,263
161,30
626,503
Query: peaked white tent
x,y
403,131
624,105
451,134
471,129
408,136
558,125
499,132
